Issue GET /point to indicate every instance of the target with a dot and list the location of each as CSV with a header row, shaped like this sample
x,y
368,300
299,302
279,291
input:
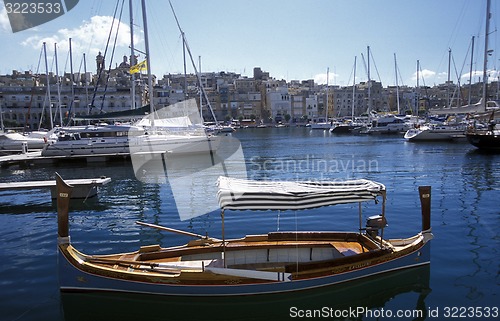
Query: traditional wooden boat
x,y
277,262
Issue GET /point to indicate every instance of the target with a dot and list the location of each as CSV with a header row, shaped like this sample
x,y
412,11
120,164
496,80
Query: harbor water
x,y
461,281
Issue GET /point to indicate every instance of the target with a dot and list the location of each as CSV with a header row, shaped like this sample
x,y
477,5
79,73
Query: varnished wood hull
x,y
77,277
371,293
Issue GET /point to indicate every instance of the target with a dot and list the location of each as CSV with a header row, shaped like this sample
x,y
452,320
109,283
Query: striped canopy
x,y
240,194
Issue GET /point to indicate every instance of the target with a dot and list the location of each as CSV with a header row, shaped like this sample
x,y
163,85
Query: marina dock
x,y
30,158
83,188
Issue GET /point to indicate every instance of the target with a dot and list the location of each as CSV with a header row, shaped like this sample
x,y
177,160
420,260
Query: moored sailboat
x,y
485,137
160,131
324,124
433,132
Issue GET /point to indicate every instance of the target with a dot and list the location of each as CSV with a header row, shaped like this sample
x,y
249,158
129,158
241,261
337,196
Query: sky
x,y
290,39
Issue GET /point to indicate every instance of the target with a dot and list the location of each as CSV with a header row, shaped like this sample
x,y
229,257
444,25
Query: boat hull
x,y
341,129
323,126
14,142
142,144
371,292
485,141
74,279
433,135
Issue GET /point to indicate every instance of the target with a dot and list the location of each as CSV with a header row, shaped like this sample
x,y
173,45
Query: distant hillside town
x,y
263,99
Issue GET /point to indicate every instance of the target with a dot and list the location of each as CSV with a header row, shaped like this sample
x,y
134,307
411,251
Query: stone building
x,y
24,96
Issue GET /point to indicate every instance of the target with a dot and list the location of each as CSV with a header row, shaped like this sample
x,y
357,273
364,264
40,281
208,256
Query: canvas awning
x,y
240,194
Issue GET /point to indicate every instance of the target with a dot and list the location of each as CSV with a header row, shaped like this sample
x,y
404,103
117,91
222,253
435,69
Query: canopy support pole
x,y
360,218
223,240
384,194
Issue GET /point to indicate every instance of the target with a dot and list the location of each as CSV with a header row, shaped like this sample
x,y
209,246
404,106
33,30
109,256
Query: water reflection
x,y
374,294
481,181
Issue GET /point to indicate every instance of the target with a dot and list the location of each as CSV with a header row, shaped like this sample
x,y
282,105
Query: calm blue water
x,y
464,270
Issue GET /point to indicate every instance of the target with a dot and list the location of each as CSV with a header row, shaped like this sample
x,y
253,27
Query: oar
x,y
136,265
173,230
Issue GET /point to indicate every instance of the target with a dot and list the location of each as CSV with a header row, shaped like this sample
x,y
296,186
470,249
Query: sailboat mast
x,y
485,62
417,100
397,83
2,128
132,56
470,72
201,92
48,84
326,109
448,103
369,81
148,62
86,84
185,68
192,62
72,77
353,90
58,86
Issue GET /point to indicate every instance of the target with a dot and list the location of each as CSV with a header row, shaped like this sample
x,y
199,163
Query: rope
x,y
104,57
94,185
111,60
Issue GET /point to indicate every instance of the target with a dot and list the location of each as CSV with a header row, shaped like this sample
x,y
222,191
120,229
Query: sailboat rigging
x,y
325,125
485,137
198,74
352,126
158,132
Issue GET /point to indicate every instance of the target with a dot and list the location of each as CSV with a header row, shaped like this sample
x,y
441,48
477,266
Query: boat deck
x,y
258,253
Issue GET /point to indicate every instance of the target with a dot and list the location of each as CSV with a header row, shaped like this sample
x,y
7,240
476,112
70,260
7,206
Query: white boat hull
x,y
434,134
324,126
154,143
14,142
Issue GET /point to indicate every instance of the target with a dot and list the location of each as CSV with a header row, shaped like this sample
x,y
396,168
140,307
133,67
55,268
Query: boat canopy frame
x,y
241,195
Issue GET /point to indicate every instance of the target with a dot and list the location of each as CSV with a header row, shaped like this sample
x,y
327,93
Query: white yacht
x,y
124,139
89,140
388,124
18,142
325,125
432,132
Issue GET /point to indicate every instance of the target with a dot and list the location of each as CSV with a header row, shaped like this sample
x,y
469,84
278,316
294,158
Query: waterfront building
x,y
24,101
279,103
312,107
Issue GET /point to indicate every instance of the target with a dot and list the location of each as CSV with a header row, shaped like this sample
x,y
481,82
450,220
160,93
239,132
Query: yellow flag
x,y
139,67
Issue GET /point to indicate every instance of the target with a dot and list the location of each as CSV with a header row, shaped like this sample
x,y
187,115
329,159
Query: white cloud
x,y
4,21
425,75
90,37
442,76
478,76
320,79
